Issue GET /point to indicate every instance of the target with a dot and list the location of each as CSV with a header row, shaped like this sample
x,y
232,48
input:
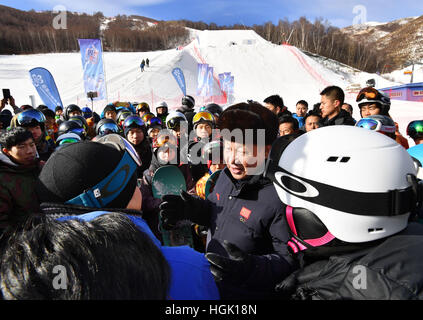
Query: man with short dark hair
x,y
101,256
332,98
301,109
287,125
275,104
312,121
19,169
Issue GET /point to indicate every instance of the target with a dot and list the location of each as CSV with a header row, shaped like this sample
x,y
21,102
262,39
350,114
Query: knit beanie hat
x,y
250,115
77,167
109,107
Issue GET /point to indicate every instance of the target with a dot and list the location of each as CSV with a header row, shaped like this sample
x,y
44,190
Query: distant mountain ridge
x,y
401,40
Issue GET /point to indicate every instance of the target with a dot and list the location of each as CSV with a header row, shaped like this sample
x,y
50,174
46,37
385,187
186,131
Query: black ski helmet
x,y
188,101
71,108
114,128
72,126
214,109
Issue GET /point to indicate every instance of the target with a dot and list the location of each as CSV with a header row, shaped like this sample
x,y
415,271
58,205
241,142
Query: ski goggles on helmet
x,y
110,187
369,92
143,107
147,117
30,117
79,131
415,129
374,125
154,122
108,128
174,123
389,203
122,104
133,121
204,116
68,140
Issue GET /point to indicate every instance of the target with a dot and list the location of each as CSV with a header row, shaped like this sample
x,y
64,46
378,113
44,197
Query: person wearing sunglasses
x,y
372,102
135,131
350,216
247,236
19,169
332,98
173,122
99,188
34,121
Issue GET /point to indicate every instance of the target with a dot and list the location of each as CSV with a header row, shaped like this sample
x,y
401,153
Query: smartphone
x,y
6,94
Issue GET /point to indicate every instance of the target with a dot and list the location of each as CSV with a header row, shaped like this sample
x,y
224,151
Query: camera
x,y
92,94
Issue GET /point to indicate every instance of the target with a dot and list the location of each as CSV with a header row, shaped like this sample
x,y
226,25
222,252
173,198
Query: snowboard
x,y
170,180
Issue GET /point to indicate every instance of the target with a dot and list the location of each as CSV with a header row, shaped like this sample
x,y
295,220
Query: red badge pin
x,y
245,212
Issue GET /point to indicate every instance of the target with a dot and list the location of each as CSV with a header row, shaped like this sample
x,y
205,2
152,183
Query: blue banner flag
x,y
209,81
46,87
92,65
202,79
180,79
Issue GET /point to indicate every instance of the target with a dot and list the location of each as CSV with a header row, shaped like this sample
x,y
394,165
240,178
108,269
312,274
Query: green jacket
x,y
17,191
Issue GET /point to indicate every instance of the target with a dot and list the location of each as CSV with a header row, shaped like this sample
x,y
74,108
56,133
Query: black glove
x,y
237,268
183,207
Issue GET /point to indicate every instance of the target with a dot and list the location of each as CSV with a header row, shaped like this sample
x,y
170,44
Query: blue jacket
x,y
250,215
299,119
191,276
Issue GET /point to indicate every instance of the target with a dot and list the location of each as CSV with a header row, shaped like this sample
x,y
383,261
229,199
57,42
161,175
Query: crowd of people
x,y
296,203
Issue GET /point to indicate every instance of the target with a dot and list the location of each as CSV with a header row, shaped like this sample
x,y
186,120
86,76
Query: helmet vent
x,y
335,159
376,230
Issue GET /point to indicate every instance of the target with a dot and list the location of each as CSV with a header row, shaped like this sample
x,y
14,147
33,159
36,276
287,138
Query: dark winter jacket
x,y
45,147
390,270
17,191
250,215
145,153
342,118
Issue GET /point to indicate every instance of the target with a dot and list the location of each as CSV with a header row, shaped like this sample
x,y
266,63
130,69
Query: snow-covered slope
x,y
260,69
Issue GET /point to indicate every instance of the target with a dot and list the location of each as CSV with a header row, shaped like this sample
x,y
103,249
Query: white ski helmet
x,y
174,118
360,184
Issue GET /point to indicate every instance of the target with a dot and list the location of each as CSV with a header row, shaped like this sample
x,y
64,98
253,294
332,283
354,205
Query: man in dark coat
x,y
331,103
247,234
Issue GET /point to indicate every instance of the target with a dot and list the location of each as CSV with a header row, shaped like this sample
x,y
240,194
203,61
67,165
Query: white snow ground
x,y
260,69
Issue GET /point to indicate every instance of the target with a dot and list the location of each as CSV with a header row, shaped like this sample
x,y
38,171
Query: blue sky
x,y
339,13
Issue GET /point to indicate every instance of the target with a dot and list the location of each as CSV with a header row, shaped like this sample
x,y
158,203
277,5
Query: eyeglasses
x,y
374,125
368,92
110,187
203,115
108,128
30,116
415,128
133,121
